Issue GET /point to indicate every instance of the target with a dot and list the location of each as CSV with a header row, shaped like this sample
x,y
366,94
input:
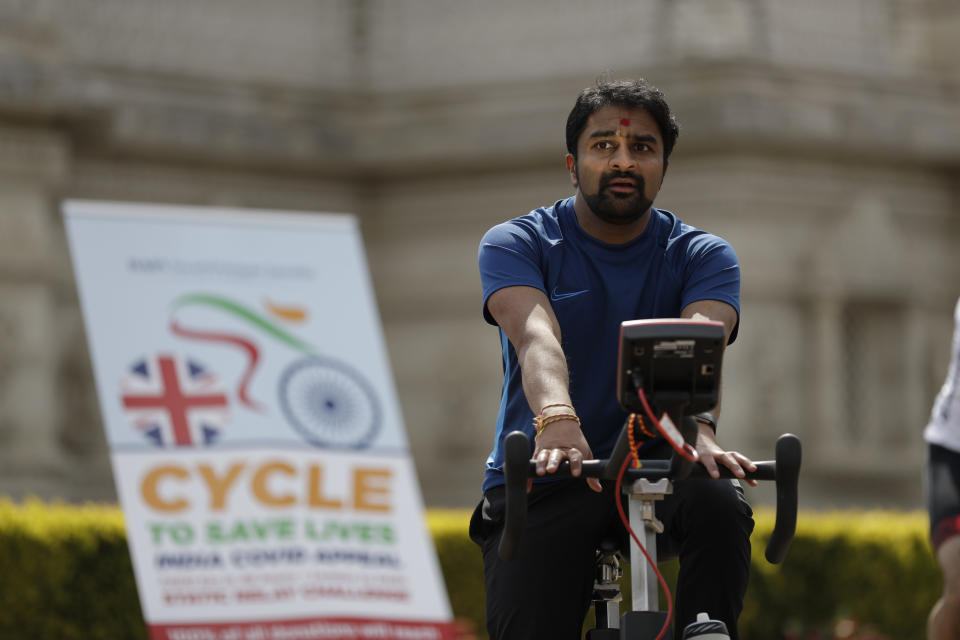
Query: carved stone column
x,y
32,259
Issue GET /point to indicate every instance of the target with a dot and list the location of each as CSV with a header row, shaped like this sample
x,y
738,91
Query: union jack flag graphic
x,y
174,401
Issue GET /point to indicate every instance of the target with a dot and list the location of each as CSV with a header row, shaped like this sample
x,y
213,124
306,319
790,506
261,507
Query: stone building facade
x,y
821,138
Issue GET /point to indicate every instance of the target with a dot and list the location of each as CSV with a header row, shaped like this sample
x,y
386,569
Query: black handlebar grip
x,y
788,454
516,460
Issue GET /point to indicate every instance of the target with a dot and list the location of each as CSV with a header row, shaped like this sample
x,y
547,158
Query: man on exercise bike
x,y
558,282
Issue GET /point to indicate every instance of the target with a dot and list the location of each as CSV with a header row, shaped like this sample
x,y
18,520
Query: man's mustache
x,y
610,176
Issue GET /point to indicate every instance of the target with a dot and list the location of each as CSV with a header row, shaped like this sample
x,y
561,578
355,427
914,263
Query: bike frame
x,y
675,364
645,485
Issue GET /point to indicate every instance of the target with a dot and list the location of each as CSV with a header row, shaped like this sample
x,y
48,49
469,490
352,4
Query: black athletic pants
x,y
943,493
544,592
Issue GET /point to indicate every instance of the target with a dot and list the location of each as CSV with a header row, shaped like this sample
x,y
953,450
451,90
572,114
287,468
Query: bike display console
x,y
678,359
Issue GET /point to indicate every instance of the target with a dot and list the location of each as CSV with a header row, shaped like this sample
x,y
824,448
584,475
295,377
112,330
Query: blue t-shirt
x,y
593,287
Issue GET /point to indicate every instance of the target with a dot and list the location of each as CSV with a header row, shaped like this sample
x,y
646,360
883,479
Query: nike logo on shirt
x,y
556,296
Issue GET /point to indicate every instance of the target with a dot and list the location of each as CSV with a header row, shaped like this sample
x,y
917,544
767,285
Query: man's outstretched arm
x,y
525,315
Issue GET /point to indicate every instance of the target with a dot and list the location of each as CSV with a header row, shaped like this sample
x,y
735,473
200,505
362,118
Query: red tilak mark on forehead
x,y
625,122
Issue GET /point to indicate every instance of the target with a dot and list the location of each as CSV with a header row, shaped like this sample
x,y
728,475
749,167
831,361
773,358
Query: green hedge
x,y
65,573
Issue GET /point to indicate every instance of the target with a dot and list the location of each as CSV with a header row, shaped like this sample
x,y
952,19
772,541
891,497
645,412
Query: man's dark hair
x,y
632,94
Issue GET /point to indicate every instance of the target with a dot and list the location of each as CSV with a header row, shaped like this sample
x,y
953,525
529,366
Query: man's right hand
x,y
559,441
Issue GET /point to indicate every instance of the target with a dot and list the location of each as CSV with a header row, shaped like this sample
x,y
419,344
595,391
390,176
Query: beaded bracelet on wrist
x,y
541,422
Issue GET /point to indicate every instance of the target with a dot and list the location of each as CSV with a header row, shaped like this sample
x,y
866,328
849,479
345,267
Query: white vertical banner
x,y
256,438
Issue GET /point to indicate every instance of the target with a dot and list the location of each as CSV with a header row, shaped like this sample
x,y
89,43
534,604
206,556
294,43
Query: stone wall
x,y
821,138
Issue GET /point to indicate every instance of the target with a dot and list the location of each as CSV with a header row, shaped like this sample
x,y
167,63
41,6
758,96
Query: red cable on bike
x,y
669,431
626,523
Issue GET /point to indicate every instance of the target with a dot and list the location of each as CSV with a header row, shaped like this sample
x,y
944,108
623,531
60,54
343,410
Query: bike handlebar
x,y
784,470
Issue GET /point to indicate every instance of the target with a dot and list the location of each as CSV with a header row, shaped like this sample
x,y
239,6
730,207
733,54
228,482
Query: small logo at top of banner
x,y
174,401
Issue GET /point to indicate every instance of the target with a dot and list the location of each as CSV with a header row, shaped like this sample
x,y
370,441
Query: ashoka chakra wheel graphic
x,y
329,403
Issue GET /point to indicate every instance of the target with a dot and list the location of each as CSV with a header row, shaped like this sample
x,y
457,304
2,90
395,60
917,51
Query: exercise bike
x,y
669,368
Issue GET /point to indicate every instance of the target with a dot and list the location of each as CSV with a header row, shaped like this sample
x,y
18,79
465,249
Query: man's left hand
x,y
712,454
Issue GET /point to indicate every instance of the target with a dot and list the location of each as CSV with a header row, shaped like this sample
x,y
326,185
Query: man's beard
x,y
618,209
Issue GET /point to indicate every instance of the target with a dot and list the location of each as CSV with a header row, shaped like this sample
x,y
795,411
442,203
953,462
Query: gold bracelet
x,y
540,422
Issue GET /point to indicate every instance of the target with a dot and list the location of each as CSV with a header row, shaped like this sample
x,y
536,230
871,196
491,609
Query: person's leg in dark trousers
x,y
544,591
709,522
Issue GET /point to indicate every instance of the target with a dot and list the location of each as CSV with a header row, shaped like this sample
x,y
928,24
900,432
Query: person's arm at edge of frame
x,y
709,451
526,317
